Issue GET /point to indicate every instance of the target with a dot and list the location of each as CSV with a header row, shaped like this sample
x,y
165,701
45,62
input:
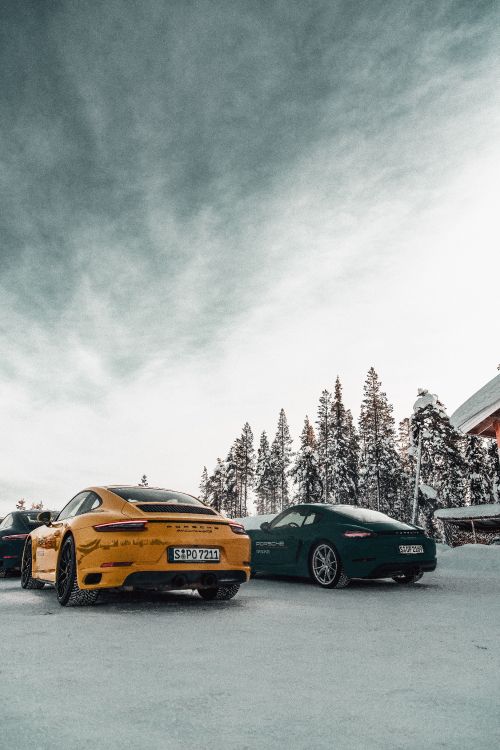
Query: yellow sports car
x,y
135,537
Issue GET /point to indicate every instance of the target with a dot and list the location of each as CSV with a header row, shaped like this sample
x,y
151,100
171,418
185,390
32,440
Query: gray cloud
x,y
164,165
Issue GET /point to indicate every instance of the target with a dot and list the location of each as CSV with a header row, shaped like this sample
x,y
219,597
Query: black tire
x,y
69,594
4,573
408,578
27,580
220,594
326,568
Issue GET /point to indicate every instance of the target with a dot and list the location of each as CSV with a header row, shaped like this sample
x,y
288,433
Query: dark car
x,y
333,543
14,529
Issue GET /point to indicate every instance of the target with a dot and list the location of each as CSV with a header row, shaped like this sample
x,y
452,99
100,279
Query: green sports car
x,y
333,543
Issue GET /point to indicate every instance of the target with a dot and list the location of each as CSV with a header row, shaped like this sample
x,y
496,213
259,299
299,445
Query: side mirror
x,y
266,526
44,517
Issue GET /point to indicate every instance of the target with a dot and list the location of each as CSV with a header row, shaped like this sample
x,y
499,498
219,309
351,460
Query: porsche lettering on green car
x,y
333,543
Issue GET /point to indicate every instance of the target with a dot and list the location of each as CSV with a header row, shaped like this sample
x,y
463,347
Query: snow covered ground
x,y
284,665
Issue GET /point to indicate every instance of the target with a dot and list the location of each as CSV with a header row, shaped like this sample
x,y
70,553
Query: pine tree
x,y
264,477
342,477
21,504
37,506
245,460
407,466
144,481
353,458
442,463
281,453
203,496
493,465
306,472
325,437
232,484
217,487
477,485
379,464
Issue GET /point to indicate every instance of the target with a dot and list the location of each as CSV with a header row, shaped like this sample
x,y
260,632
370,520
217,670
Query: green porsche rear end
x,y
373,545
356,542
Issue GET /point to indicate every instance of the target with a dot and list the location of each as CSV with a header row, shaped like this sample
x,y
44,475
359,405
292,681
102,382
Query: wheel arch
x,y
67,533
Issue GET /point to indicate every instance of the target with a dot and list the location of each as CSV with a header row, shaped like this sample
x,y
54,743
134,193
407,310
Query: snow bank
x,y
475,559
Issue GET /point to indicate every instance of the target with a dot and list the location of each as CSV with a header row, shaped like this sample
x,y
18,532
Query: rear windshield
x,y
146,495
365,515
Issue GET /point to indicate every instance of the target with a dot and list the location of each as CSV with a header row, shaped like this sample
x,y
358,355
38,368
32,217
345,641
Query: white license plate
x,y
411,549
193,554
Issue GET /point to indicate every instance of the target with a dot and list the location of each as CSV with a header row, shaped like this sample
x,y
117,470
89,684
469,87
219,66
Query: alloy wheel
x,y
324,564
64,577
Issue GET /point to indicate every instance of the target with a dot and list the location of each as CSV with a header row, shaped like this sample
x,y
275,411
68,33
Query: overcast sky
x,y
210,209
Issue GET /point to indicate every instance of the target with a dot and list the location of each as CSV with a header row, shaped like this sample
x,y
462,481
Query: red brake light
x,y
352,534
136,524
116,564
237,528
14,536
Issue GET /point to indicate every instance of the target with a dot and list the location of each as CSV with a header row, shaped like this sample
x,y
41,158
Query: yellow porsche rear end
x,y
152,544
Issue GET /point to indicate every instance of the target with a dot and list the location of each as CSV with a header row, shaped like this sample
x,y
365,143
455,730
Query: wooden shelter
x,y
472,524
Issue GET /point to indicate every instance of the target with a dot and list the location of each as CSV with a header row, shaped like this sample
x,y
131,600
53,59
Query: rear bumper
x,y
173,579
388,570
185,578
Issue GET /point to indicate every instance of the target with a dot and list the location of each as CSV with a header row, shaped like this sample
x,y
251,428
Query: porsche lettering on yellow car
x,y
136,537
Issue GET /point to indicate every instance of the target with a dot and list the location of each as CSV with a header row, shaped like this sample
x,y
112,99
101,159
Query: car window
x,y
71,509
289,517
7,522
311,518
91,502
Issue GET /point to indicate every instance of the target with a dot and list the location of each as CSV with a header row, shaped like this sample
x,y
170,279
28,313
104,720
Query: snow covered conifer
x,y
442,464
245,461
203,496
477,485
379,463
144,481
21,504
217,487
305,472
232,487
264,477
281,456
342,476
353,458
493,467
325,437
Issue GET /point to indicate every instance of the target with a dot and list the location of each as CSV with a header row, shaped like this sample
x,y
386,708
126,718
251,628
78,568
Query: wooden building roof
x,y
478,415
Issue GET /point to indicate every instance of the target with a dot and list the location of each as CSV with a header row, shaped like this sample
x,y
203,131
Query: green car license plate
x,y
193,554
411,549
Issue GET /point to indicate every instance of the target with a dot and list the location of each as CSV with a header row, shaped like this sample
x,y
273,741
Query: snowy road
x,y
284,665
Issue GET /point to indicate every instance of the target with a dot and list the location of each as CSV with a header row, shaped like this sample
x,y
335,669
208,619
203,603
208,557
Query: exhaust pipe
x,y
209,580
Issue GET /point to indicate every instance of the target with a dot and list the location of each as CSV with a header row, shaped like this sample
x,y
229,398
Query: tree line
x,y
370,464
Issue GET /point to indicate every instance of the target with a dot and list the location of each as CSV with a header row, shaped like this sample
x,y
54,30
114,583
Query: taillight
x,y
352,534
132,525
237,528
116,564
14,536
